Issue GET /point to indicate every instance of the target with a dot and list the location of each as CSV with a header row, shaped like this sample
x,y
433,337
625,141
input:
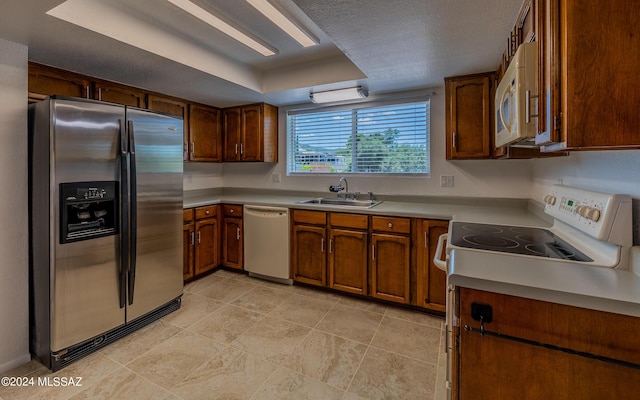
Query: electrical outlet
x,y
446,180
276,178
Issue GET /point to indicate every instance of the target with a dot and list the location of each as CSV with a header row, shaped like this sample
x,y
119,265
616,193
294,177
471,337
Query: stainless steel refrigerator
x,y
105,224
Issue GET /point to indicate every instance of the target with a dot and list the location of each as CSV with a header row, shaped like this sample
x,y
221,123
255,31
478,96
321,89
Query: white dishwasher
x,y
266,243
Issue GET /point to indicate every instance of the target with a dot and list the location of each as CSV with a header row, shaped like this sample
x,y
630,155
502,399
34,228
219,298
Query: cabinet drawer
x,y
355,221
590,331
232,210
391,224
187,215
206,212
309,217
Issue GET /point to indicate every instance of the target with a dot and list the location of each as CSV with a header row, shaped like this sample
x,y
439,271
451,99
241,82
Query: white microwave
x,y
514,122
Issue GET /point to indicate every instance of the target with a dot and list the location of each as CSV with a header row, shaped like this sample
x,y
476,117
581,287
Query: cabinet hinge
x,y
557,123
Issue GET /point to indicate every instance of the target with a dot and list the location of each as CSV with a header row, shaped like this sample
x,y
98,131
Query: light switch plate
x,y
446,180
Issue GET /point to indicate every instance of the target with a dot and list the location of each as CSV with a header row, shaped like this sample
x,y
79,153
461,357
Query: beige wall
x,y
14,236
607,171
487,178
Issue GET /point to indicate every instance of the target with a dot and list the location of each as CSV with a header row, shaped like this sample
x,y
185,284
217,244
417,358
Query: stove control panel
x,y
604,216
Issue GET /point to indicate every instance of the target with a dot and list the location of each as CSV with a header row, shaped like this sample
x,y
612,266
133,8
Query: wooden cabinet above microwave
x,y
588,76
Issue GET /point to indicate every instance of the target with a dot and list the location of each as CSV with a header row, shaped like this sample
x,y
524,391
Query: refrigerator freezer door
x,y
84,284
156,276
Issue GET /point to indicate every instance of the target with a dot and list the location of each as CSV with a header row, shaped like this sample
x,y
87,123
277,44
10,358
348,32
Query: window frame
x,y
356,106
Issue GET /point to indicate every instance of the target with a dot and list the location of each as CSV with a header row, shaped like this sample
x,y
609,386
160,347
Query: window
x,y
385,139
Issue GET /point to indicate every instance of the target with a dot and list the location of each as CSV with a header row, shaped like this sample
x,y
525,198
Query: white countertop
x,y
604,289
507,211
569,283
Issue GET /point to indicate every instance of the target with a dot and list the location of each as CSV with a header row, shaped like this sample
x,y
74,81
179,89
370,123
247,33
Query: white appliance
x,y
513,113
266,243
590,229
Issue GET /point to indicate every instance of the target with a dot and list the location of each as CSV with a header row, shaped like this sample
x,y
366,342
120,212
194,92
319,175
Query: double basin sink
x,y
341,202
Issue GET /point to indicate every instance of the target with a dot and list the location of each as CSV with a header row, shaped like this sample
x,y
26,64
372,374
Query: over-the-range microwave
x,y
513,108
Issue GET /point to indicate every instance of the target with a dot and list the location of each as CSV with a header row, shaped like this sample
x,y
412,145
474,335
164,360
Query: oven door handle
x,y
441,264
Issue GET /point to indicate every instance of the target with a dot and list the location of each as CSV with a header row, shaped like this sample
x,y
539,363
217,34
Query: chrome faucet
x,y
346,186
338,188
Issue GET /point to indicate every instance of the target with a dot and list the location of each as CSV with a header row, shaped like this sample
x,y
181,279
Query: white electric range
x,y
584,259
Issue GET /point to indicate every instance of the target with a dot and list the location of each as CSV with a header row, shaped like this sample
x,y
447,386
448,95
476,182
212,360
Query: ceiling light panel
x,y
330,96
223,27
283,22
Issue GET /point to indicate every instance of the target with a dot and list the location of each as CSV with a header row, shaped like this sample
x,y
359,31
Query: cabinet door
x,y
47,81
493,367
348,260
231,123
207,252
390,264
119,94
232,243
309,254
188,246
468,116
251,136
431,287
599,83
205,136
172,107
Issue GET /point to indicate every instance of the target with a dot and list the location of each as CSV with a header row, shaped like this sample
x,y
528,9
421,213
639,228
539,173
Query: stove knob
x,y
584,210
550,199
593,214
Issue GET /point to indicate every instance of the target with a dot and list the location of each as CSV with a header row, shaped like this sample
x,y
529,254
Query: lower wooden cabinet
x,y
391,259
309,241
201,240
348,255
207,232
188,244
232,236
431,281
366,255
492,367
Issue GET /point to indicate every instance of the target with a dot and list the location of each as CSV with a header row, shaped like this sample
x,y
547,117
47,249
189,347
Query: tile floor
x,y
236,337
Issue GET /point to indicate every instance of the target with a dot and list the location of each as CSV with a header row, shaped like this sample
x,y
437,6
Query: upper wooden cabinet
x,y
177,107
469,111
251,133
119,94
205,136
589,81
48,81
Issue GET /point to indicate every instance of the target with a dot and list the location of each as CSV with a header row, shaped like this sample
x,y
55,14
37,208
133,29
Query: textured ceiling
x,y
385,46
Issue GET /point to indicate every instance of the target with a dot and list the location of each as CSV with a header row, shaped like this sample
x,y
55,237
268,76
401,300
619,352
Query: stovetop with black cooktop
x,y
519,240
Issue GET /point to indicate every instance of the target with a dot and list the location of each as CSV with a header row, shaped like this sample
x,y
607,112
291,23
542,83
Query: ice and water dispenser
x,y
88,210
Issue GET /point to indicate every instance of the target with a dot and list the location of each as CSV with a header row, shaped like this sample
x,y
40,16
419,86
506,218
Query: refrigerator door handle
x,y
133,204
124,214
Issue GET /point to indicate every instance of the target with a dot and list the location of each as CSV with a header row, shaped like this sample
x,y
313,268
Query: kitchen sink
x,y
341,202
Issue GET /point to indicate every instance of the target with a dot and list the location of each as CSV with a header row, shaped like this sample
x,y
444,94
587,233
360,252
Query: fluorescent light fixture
x,y
223,27
286,24
353,93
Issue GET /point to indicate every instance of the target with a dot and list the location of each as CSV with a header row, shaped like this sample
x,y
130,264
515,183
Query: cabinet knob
x,y
390,225
231,211
207,212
